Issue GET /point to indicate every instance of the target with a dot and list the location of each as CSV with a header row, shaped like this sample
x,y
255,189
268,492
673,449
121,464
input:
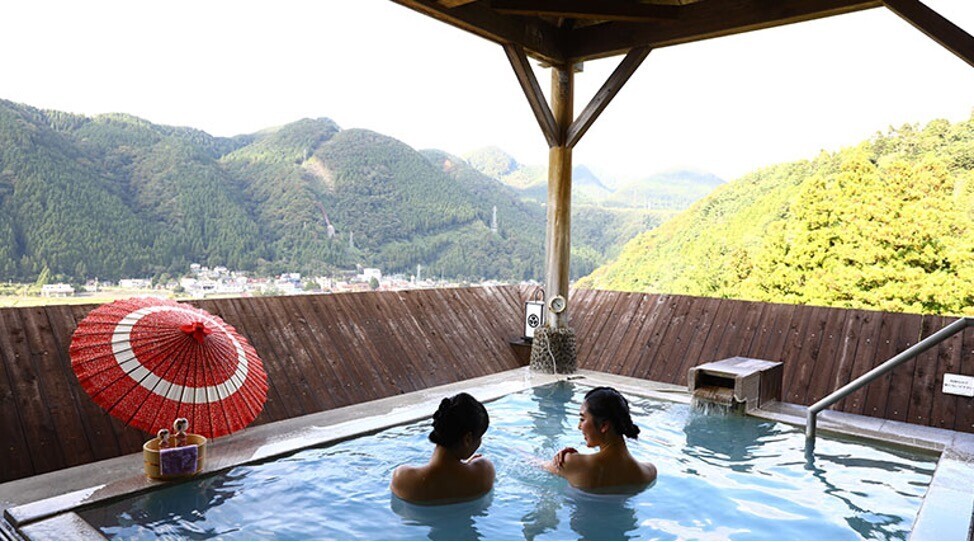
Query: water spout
x,y
715,400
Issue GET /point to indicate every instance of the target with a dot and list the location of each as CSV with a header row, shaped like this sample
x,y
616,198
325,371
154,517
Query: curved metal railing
x,y
885,367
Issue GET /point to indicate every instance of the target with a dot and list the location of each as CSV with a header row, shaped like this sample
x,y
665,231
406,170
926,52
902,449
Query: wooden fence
x,y
327,351
320,352
659,337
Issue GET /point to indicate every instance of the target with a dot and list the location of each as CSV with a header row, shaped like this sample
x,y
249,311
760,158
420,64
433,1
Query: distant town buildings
x,y
57,290
201,282
135,284
369,273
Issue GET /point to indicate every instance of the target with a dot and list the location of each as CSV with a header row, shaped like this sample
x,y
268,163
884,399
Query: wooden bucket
x,y
150,456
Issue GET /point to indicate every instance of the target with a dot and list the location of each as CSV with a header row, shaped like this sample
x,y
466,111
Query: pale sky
x,y
726,105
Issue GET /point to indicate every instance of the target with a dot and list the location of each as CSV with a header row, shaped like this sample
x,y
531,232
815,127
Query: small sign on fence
x,y
959,384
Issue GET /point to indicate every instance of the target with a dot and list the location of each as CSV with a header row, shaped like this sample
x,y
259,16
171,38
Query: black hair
x,y
607,404
457,416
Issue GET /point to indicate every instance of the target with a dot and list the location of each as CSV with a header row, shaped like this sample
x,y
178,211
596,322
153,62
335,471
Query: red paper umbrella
x,y
148,361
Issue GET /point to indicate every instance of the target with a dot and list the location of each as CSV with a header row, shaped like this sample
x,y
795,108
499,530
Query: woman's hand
x,y
559,459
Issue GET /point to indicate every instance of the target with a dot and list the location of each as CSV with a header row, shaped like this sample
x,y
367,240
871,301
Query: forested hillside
x,y
116,196
888,224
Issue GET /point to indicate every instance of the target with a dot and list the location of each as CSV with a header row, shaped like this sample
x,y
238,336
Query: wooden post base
x,y
554,351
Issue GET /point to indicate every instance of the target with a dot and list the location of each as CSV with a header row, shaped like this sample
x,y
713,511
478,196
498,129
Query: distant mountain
x,y
670,190
497,164
586,188
675,189
887,224
117,196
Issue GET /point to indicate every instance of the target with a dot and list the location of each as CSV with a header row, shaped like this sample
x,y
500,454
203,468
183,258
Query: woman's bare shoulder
x,y
481,465
649,471
403,483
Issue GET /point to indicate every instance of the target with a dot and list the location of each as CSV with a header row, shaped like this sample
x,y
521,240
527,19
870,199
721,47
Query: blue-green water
x,y
725,477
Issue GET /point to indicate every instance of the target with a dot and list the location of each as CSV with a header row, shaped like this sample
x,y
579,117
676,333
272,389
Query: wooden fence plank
x,y
101,435
901,378
808,356
251,321
829,351
792,388
634,303
743,324
408,340
440,321
276,309
645,343
764,331
664,348
925,375
783,324
42,444
846,354
606,317
719,326
15,460
675,357
703,327
315,368
585,323
372,345
351,324
55,387
348,374
964,406
877,392
482,331
439,360
948,361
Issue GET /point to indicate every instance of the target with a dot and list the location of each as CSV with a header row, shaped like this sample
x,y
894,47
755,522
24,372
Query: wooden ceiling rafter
x,y
539,38
532,91
610,88
936,27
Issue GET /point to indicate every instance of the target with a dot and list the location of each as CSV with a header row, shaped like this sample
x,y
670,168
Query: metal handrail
x,y
885,367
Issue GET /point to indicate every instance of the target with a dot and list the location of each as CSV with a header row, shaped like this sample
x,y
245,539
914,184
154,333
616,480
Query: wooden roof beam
x,y
704,20
454,3
609,89
538,38
532,91
605,10
934,25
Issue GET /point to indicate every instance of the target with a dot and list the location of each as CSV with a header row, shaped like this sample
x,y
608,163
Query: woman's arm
x,y
557,463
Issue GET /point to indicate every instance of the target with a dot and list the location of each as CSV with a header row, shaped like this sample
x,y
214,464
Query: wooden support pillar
x,y
554,347
558,233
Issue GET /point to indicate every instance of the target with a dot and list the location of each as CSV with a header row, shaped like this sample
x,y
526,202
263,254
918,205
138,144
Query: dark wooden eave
x,y
705,20
569,31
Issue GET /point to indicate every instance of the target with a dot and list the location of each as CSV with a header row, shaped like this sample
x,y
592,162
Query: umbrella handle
x,y
197,330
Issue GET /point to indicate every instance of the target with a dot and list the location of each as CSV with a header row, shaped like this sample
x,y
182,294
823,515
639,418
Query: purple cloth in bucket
x,y
181,460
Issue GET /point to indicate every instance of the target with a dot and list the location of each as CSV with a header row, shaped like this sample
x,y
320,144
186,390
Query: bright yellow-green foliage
x,y
888,224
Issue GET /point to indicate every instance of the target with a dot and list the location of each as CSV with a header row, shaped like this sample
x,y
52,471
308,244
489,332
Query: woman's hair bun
x,y
457,416
632,431
607,404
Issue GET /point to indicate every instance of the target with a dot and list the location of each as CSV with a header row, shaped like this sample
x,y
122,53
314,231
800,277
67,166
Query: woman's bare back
x,y
445,483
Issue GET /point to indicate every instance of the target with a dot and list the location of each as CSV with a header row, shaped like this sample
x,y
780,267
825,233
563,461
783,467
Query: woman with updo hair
x,y
604,421
454,473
